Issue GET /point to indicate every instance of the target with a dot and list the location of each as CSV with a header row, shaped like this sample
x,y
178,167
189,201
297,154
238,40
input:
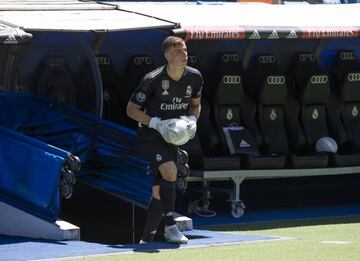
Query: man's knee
x,y
168,171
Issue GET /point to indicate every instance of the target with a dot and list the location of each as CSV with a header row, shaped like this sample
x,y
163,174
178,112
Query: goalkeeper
x,y
170,93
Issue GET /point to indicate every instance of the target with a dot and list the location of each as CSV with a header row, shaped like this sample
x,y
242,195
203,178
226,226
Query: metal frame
x,y
238,176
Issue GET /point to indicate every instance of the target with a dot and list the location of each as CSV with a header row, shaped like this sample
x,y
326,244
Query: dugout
x,y
93,54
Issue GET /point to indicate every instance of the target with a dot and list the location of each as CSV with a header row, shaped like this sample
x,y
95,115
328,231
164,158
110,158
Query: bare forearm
x,y
137,114
195,110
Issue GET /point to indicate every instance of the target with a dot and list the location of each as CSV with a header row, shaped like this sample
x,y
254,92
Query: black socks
x,y
168,196
160,208
153,219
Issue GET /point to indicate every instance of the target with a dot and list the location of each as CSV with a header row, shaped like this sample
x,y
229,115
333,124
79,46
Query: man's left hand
x,y
191,127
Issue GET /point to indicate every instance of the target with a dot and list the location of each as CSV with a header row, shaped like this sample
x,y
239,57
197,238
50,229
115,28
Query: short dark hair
x,y
171,41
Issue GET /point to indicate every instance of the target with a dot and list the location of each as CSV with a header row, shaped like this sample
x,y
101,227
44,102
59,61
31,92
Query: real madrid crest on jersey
x,y
165,84
188,91
158,157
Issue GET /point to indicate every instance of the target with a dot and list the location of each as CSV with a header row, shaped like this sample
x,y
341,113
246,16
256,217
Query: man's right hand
x,y
156,123
162,127
167,131
175,131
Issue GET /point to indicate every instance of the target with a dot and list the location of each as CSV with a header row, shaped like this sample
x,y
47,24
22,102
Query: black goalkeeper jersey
x,y
161,96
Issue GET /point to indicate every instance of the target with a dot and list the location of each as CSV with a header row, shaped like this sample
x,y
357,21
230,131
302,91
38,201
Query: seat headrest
x,y
109,76
351,87
193,61
139,66
230,89
230,82
269,85
265,63
313,84
229,63
346,58
304,64
103,61
345,61
52,61
273,90
347,64
316,89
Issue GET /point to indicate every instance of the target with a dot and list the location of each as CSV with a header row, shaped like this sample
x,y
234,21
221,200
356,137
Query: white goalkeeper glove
x,y
162,126
191,120
156,123
174,131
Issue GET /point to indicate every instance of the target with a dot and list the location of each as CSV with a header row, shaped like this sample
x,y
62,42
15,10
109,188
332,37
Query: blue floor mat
x,y
16,248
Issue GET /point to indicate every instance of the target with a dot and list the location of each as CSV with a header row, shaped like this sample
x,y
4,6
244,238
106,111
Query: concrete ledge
x,y
15,222
184,223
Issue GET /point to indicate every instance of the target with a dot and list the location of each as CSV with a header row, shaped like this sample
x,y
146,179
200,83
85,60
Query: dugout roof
x,y
196,20
11,34
256,20
75,16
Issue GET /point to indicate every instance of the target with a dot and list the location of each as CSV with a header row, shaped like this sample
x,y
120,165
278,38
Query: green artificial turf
x,y
322,239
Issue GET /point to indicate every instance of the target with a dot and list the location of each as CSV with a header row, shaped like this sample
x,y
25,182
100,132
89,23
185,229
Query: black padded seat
x,y
347,88
277,115
193,61
57,82
138,67
264,162
111,98
198,160
206,131
202,149
321,109
234,108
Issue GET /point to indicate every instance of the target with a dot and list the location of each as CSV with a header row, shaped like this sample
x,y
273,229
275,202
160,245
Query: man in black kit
x,y
166,96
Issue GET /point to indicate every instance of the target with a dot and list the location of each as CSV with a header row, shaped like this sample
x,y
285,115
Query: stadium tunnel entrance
x,y
97,72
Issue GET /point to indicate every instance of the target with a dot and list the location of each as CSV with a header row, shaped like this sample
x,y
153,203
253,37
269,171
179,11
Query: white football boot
x,y
173,235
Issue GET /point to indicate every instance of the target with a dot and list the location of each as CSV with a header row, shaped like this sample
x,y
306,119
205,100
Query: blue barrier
x,y
30,175
108,152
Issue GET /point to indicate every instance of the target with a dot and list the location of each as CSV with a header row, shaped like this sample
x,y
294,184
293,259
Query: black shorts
x,y
156,150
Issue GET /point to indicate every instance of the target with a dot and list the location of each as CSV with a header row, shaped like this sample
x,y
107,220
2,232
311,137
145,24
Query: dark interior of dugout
x,y
67,63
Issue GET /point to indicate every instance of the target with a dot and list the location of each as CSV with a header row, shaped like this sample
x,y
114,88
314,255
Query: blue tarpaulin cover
x,y
29,176
108,152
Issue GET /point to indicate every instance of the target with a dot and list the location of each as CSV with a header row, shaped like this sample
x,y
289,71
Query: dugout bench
x,y
238,176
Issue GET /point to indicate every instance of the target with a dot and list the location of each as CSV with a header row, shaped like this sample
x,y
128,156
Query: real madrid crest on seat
x,y
347,72
233,108
313,90
56,81
270,92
